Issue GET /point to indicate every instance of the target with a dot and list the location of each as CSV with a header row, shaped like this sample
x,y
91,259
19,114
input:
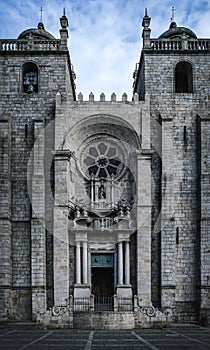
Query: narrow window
x,y
30,77
183,77
177,235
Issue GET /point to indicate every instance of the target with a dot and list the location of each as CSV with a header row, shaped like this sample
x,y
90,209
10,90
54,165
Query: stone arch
x,y
101,124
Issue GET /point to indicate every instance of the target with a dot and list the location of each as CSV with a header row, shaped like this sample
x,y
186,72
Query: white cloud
x,y
105,35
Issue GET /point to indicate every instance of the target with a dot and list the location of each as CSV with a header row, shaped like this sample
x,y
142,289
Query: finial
x,y
41,10
146,20
64,20
173,14
40,26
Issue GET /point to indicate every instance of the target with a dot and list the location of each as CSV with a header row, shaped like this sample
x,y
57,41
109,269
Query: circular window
x,y
102,157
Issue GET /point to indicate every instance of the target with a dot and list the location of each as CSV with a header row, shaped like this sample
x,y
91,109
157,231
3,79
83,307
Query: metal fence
x,y
103,304
100,304
124,304
82,304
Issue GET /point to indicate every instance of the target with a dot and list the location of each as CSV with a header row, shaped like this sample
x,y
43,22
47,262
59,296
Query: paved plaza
x,y
167,339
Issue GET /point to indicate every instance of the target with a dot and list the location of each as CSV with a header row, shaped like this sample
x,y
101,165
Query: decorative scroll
x,y
59,310
147,310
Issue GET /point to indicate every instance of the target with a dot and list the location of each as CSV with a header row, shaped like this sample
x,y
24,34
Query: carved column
x,y
124,288
92,191
78,263
127,262
120,263
81,287
84,262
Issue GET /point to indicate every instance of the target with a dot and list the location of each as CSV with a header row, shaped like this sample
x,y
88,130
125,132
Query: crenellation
x,y
113,98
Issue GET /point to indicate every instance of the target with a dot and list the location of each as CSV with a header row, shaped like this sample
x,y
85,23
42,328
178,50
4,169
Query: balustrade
x,y
102,223
22,45
183,43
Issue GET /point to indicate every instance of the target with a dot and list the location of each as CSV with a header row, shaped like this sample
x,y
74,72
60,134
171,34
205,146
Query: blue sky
x,y
104,35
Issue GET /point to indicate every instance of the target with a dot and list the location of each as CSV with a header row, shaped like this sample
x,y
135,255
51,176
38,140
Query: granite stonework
x,y
104,215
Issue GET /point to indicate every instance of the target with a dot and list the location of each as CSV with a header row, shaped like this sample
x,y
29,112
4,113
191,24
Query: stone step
x,y
19,325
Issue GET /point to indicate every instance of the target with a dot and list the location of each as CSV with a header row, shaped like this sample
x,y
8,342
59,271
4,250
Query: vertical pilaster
x,y
60,231
168,237
5,223
144,225
38,234
204,132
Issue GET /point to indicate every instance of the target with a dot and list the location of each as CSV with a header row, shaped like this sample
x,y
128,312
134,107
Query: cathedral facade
x,y
104,215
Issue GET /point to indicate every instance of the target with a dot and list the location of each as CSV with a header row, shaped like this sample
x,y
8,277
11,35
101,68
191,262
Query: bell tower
x,y
179,102
35,66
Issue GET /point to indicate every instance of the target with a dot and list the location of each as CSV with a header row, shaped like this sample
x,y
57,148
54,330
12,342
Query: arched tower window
x,y
30,77
183,77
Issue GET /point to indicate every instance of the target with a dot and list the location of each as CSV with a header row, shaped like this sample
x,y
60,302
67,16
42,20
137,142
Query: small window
x,y
30,78
183,77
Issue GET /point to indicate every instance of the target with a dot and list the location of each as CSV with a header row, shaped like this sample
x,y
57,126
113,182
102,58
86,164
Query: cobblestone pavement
x,y
167,339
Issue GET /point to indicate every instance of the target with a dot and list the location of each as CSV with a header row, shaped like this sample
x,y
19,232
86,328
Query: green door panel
x,y
102,260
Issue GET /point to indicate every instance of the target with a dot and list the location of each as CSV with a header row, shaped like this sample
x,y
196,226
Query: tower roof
x,y
38,33
177,32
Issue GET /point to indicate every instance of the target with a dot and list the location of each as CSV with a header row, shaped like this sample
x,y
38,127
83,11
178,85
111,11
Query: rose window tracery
x,y
104,187
102,158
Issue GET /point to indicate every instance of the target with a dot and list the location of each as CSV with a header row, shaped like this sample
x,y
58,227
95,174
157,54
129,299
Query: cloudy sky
x,y
104,35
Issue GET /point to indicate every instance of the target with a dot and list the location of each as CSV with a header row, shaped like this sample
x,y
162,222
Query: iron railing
x,y
100,304
124,304
82,304
103,304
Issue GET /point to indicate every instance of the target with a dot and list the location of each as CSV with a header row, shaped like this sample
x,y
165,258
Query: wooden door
x,y
102,282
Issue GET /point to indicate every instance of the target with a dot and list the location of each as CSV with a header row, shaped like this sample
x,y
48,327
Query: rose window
x,y
103,158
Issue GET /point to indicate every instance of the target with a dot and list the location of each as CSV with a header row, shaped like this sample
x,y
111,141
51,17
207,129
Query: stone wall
x,y
104,320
